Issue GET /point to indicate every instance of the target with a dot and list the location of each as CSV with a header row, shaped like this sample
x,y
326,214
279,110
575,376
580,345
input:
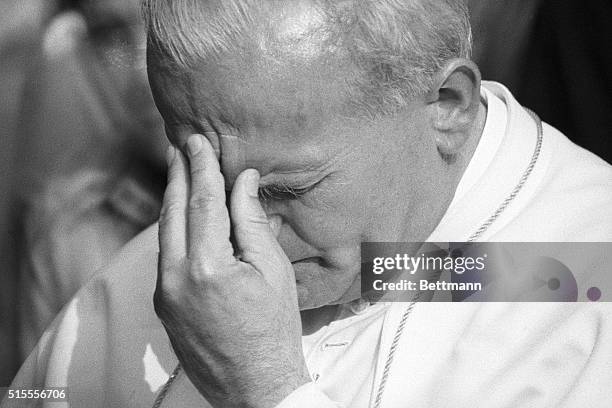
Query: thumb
x,y
255,239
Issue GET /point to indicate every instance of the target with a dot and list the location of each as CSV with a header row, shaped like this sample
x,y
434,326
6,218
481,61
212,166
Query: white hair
x,y
395,46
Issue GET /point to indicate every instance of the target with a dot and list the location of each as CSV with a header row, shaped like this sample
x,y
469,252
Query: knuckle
x,y
202,267
257,218
207,174
254,232
169,210
251,253
169,281
203,272
202,202
168,287
198,169
253,225
201,171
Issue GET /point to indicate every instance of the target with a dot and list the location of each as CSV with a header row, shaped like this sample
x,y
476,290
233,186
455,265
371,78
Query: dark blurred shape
x,y
567,71
555,57
502,31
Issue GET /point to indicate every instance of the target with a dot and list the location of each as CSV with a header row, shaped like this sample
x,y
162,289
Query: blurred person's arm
x,y
73,228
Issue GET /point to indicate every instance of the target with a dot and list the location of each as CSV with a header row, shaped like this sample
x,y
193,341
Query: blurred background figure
x,y
21,22
94,144
87,100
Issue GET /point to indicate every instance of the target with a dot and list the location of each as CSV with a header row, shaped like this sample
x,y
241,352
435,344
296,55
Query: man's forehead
x,y
280,159
240,95
252,124
262,107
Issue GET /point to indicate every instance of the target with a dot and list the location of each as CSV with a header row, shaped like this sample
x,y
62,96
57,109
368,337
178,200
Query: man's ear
x,y
454,101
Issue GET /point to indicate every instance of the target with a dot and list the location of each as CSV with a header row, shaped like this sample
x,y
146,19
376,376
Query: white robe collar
x,y
502,155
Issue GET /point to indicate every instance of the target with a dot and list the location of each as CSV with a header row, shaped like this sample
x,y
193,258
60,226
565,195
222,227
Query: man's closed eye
x,y
282,192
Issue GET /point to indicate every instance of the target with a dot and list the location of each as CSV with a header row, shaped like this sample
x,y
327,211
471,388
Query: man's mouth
x,y
311,259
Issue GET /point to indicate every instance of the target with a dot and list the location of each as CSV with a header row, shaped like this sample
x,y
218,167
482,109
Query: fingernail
x,y
170,153
194,144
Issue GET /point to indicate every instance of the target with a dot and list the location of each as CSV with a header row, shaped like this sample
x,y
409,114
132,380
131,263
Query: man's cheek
x,y
318,285
325,229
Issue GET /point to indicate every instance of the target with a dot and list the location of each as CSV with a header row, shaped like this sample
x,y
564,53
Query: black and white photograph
x,y
306,203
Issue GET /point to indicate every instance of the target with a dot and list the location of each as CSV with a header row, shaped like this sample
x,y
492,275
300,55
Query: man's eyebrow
x,y
309,165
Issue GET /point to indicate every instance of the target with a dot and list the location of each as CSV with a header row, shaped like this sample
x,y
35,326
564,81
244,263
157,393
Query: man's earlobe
x,y
454,102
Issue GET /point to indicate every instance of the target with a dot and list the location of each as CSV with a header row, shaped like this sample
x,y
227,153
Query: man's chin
x,y
314,291
318,286
305,301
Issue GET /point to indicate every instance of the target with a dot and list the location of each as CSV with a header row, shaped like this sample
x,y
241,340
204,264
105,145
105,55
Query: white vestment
x,y
109,348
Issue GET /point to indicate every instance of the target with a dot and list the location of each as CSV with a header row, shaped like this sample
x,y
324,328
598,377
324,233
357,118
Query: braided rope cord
x,y
519,186
162,394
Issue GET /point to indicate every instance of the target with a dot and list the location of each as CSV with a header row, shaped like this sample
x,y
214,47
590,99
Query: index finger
x,y
172,219
208,223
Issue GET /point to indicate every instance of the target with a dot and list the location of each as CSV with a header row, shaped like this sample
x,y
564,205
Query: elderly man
x,y
302,129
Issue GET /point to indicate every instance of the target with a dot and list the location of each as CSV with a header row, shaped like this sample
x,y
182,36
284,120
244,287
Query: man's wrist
x,y
307,396
291,386
277,390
